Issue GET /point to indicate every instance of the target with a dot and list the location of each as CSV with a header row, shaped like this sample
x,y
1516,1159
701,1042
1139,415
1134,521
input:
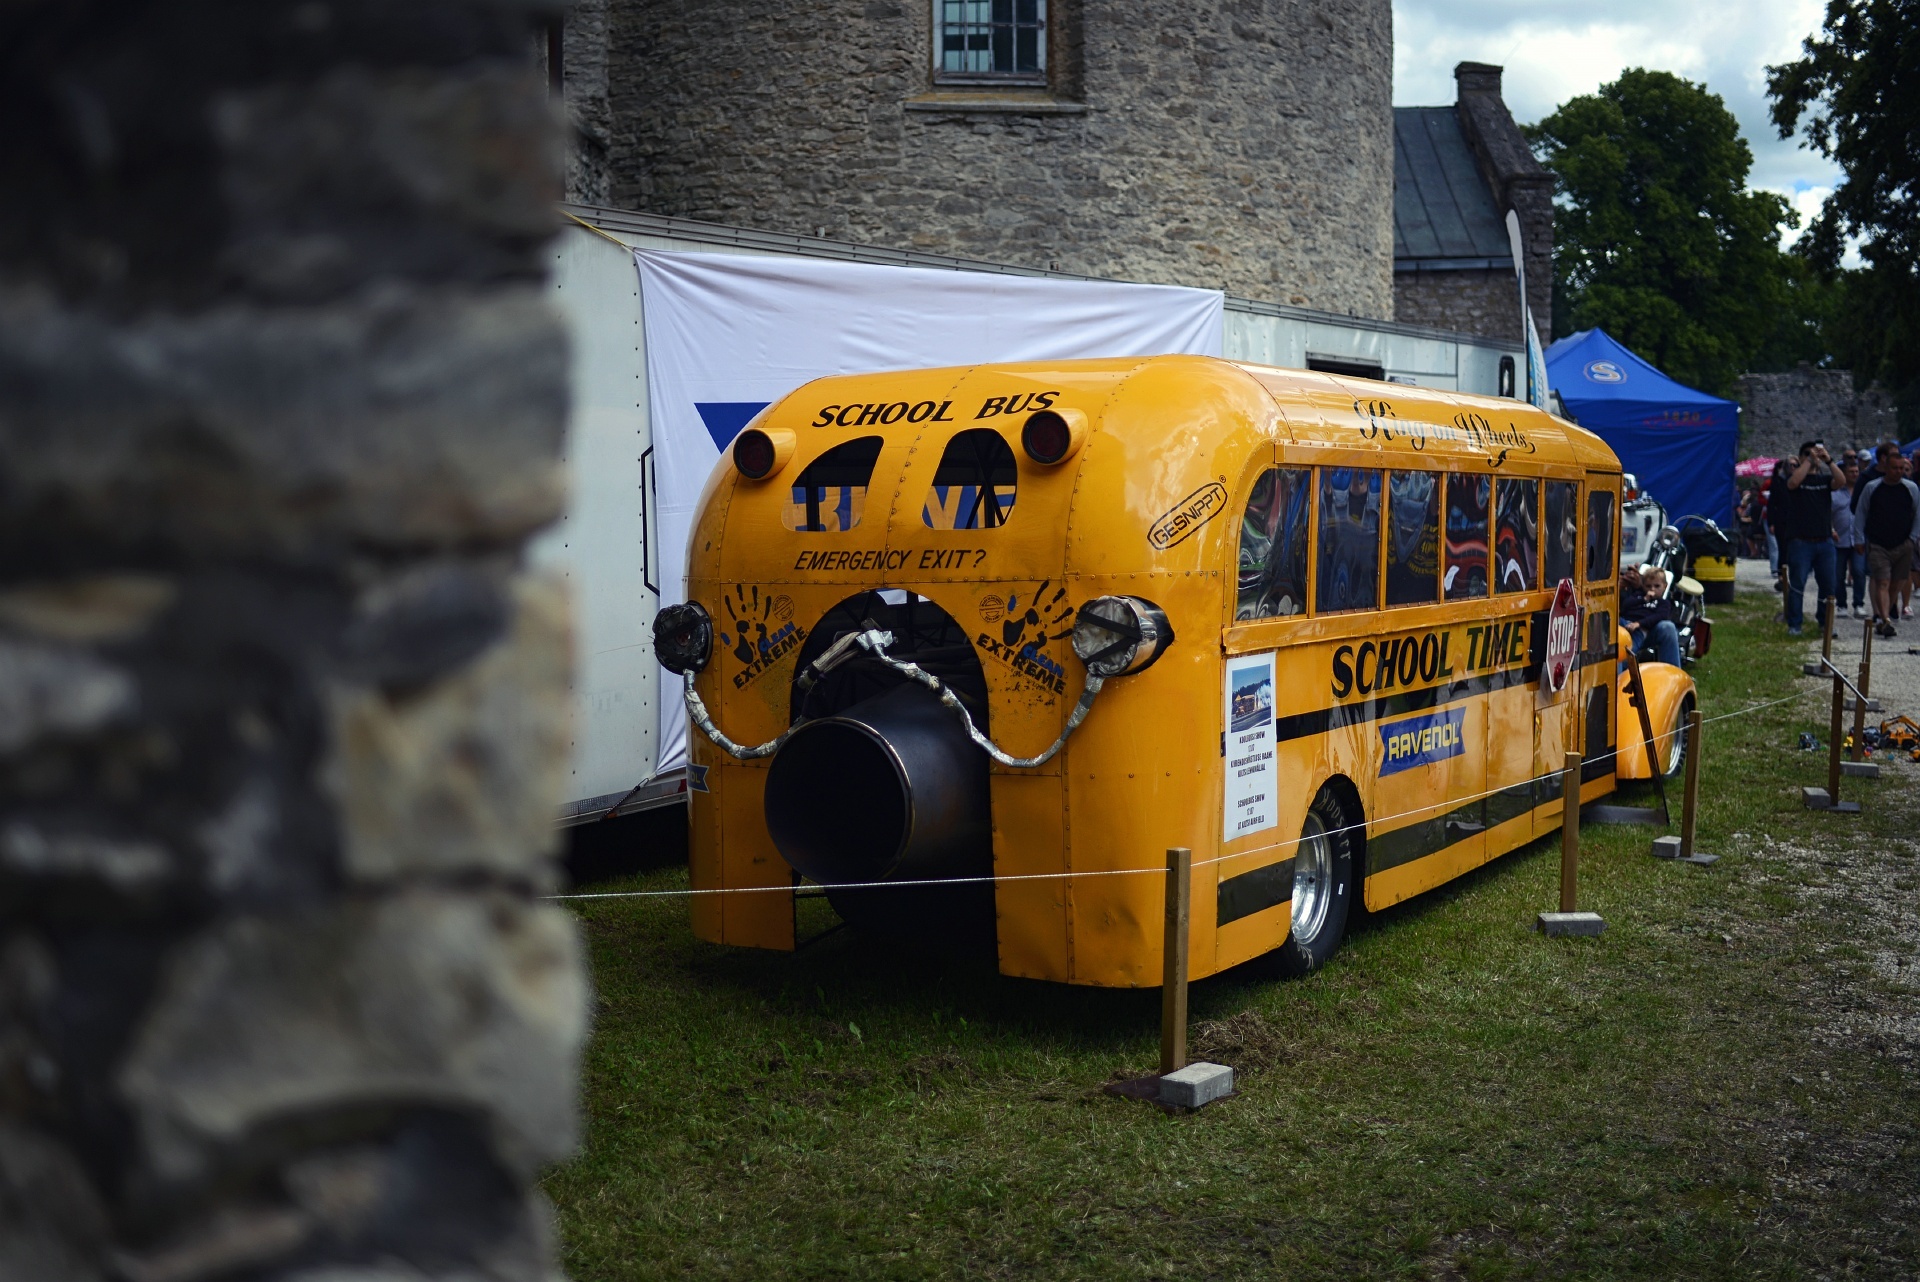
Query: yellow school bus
x,y
967,648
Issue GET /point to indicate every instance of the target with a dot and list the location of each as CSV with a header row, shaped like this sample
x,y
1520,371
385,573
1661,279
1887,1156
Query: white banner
x,y
727,334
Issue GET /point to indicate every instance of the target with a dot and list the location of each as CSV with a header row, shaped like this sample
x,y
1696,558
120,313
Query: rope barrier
x,y
1452,803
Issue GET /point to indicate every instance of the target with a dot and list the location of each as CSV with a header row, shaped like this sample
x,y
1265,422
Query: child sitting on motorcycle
x,y
1648,615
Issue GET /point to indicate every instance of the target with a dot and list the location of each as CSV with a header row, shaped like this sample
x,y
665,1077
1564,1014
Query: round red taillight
x,y
753,453
1046,438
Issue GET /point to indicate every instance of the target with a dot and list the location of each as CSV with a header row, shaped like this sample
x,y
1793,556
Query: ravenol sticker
x,y
1418,741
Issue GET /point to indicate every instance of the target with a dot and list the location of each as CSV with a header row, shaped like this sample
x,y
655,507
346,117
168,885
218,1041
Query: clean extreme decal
x,y
1409,662
1419,741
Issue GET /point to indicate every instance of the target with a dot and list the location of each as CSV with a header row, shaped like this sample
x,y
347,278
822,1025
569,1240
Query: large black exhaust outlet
x,y
891,789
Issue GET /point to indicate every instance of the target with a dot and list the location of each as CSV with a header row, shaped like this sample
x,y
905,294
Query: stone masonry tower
x,y
1246,145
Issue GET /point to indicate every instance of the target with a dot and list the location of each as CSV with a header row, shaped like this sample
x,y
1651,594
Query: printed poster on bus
x,y
1251,780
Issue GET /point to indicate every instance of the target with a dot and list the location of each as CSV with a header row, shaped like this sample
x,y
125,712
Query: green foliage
x,y
1657,239
1856,93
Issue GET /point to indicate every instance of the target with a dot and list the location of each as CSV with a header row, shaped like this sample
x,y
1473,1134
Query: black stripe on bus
x,y
1431,836
1303,725
1254,892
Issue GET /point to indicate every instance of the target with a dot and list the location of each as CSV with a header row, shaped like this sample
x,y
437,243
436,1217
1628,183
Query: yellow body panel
x,y
1150,506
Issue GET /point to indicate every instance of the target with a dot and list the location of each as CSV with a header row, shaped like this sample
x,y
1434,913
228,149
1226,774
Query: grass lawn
x,y
1724,1084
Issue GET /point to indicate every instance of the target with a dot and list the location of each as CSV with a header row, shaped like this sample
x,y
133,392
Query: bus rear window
x,y
1561,530
831,493
1413,537
974,486
1348,571
1600,554
1273,546
1516,535
1466,572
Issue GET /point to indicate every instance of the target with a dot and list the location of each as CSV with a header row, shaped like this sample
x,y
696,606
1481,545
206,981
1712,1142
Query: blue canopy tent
x,y
1681,443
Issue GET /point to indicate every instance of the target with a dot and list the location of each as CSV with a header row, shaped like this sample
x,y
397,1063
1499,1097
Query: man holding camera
x,y
1806,529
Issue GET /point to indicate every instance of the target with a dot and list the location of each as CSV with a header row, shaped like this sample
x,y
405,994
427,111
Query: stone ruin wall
x,y
1779,411
281,711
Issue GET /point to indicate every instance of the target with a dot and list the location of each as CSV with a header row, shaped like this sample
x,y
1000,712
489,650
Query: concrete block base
x,y
1860,769
1873,705
1813,669
1669,848
1197,1085
1817,799
1558,924
1150,1090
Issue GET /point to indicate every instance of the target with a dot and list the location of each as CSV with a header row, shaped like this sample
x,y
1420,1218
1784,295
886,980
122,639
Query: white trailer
x,y
606,546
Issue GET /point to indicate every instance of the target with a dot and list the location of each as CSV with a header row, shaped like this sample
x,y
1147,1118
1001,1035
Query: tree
x,y
1657,238
1857,90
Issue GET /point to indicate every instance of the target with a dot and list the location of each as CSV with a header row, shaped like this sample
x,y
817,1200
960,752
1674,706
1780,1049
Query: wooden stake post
x,y
1836,728
1860,703
1570,920
1173,985
1570,834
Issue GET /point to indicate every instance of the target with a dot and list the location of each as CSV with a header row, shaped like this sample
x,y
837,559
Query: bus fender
x,y
1668,689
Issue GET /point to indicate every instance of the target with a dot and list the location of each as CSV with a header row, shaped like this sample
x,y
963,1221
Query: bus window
x,y
1562,530
831,493
1466,572
973,488
1273,546
1600,555
1348,575
1516,534
1413,537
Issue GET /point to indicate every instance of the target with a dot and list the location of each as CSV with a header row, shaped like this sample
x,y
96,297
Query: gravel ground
x,y
1895,679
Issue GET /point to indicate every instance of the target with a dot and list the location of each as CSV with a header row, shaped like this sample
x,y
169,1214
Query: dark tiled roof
x,y
1443,213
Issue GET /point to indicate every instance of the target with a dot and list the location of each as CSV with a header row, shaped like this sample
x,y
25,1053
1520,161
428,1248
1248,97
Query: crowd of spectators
x,y
1851,523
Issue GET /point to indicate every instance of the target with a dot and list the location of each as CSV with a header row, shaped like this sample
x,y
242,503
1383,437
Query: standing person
x,y
1773,501
1806,528
1849,556
1889,517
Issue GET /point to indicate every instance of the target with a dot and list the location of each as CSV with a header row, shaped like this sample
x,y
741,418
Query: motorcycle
x,y
1669,553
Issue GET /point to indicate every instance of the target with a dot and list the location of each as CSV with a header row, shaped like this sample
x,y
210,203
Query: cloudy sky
x,y
1556,49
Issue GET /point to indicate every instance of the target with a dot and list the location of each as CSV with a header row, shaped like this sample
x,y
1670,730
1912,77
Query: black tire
x,y
1677,746
1322,886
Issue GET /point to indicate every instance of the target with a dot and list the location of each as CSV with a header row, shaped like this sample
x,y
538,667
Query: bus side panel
x,y
1415,839
1030,839
703,841
1143,774
758,918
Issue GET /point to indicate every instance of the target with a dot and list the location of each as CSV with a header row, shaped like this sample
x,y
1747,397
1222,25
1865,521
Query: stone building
x,y
1457,171
1247,147
1778,411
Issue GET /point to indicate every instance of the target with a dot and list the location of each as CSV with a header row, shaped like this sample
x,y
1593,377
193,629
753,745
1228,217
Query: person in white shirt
x,y
1849,552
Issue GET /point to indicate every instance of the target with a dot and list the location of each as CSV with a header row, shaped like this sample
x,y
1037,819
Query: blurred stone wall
x,y
280,710
1778,411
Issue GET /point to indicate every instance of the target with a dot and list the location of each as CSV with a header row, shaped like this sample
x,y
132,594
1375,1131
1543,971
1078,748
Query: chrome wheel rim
x,y
1677,749
1312,879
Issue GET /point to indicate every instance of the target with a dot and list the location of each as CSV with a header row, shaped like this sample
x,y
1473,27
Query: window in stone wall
x,y
990,41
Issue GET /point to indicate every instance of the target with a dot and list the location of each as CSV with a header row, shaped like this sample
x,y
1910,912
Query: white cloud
x,y
1554,50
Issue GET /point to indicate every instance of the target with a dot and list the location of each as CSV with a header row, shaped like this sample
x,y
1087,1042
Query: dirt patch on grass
x,y
1247,1042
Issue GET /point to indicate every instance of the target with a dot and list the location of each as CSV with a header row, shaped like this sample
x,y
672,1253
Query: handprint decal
x,y
1054,608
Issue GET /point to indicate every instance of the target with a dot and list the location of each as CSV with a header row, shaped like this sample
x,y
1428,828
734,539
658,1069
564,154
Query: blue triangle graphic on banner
x,y
724,419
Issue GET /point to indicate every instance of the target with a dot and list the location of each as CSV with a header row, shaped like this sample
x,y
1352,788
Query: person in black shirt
x,y
1889,520
1806,529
